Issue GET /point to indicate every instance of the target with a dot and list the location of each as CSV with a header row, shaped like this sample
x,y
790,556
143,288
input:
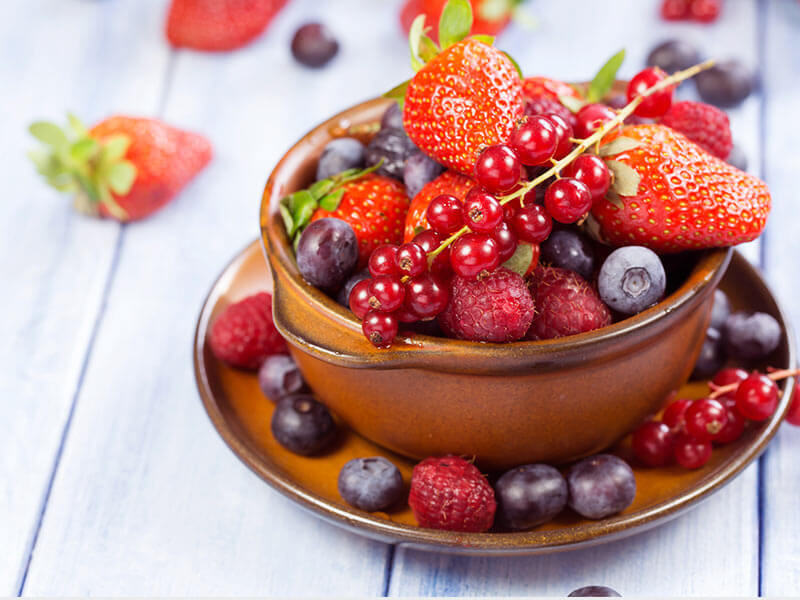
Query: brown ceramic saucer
x,y
241,414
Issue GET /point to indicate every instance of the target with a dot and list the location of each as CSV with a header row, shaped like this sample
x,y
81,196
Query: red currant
x,y
386,293
567,200
473,253
482,212
734,429
793,416
404,314
656,104
380,328
498,168
534,140
381,261
564,133
592,117
675,413
705,418
727,377
506,241
592,171
705,11
652,444
532,223
429,241
411,259
757,397
444,214
689,452
359,298
675,10
427,296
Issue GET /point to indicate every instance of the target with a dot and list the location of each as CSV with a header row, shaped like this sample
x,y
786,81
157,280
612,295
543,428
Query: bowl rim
x,y
708,270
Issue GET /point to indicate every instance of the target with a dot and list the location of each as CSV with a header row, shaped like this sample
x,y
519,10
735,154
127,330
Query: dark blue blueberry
x,y
600,486
751,336
343,297
530,495
279,377
569,249
393,117
594,591
711,358
737,158
631,279
302,425
314,45
370,484
392,146
726,84
327,253
420,169
673,55
720,311
339,155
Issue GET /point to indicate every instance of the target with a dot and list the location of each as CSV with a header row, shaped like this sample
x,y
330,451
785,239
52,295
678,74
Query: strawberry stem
x,y
585,144
774,375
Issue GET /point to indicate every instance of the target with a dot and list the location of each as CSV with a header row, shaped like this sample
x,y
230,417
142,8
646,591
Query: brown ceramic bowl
x,y
506,404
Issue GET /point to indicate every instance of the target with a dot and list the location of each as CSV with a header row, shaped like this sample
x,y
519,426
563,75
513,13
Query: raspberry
x,y
451,493
493,308
565,305
547,105
244,334
706,125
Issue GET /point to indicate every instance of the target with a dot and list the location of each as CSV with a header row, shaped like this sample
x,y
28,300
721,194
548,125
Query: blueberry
x,y
737,158
751,336
594,591
631,279
339,155
711,358
279,377
720,311
343,297
327,253
673,55
725,84
420,169
370,483
393,117
600,486
569,249
302,425
314,45
394,147
530,495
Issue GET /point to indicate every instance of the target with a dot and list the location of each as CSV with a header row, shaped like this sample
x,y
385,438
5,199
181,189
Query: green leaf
x,y
331,201
572,103
524,19
414,38
398,93
115,147
626,179
520,261
486,39
515,63
288,222
455,22
320,188
302,205
604,80
84,149
618,146
77,126
50,134
44,162
121,176
427,49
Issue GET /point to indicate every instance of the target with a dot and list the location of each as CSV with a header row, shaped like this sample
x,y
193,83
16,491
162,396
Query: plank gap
x,y
387,570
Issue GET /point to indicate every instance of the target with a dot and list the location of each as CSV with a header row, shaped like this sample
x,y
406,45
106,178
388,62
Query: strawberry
x,y
671,195
535,87
491,16
216,25
706,125
124,168
449,182
375,207
244,334
451,493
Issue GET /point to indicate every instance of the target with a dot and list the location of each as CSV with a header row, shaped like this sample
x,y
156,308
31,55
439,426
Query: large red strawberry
x,y
375,207
534,87
218,24
671,195
124,168
449,182
465,98
491,16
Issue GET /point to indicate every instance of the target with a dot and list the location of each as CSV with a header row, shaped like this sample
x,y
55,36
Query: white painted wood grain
x,y
781,488
54,264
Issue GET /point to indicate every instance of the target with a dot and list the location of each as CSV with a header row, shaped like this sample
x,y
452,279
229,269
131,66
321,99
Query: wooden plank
x,y
780,573
148,499
573,39
54,263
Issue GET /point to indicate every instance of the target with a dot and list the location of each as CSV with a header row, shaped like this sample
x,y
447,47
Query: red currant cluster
x,y
688,428
409,282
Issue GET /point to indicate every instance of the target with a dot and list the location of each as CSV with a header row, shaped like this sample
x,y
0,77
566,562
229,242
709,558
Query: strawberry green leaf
x,y
427,48
84,149
604,80
618,146
495,10
44,163
486,39
115,147
592,228
626,179
414,39
121,176
320,188
288,221
572,103
50,134
515,63
455,22
520,261
77,126
398,93
331,201
302,205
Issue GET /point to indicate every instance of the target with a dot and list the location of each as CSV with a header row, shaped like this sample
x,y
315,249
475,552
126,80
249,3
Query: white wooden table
x,y
112,480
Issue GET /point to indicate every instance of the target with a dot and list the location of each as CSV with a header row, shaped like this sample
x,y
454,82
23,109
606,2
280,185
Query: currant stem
x,y
718,391
585,144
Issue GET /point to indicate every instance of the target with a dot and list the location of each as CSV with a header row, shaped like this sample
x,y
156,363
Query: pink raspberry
x,y
706,125
493,308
